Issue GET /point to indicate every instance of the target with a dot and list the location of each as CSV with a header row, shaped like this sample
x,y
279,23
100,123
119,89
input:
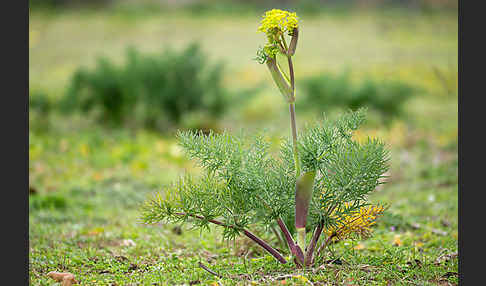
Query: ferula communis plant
x,y
321,177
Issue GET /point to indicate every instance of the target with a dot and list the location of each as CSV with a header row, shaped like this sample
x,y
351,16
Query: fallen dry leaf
x,y
66,279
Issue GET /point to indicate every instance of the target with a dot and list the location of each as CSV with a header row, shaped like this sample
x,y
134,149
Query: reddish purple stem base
x,y
250,235
294,248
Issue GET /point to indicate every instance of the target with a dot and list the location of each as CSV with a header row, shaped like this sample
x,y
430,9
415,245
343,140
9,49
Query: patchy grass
x,y
87,183
84,220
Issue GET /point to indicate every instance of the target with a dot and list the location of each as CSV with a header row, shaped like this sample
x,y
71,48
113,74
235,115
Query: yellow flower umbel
x,y
275,24
357,222
278,21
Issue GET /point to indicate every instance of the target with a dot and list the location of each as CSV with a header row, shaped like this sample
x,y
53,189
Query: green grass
x,y
87,205
89,182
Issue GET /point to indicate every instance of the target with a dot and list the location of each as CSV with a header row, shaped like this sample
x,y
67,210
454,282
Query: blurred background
x,y
110,81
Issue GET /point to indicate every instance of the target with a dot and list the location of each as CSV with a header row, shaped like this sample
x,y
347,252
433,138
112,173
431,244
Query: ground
x,y
87,182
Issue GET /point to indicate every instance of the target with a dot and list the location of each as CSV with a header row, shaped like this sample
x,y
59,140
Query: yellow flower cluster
x,y
277,20
357,222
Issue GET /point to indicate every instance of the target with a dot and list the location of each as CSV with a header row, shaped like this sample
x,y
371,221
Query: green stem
x,y
293,125
291,71
280,80
293,122
301,239
287,80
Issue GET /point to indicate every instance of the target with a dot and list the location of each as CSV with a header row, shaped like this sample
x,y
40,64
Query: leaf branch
x,y
250,235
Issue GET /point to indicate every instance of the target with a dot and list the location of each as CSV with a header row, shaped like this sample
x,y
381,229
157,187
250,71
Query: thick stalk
x,y
293,121
303,197
293,42
292,80
300,196
279,79
265,246
301,238
286,233
250,235
293,125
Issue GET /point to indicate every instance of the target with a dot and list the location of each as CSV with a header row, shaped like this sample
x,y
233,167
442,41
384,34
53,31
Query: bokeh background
x,y
110,81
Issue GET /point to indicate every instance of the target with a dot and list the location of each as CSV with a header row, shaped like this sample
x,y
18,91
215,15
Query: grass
x,y
87,209
87,183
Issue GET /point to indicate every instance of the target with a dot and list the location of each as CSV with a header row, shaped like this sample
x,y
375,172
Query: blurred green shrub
x,y
47,201
152,91
67,3
40,108
203,7
40,102
326,91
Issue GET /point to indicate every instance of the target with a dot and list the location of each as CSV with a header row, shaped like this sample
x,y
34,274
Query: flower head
x,y
275,24
357,222
278,21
